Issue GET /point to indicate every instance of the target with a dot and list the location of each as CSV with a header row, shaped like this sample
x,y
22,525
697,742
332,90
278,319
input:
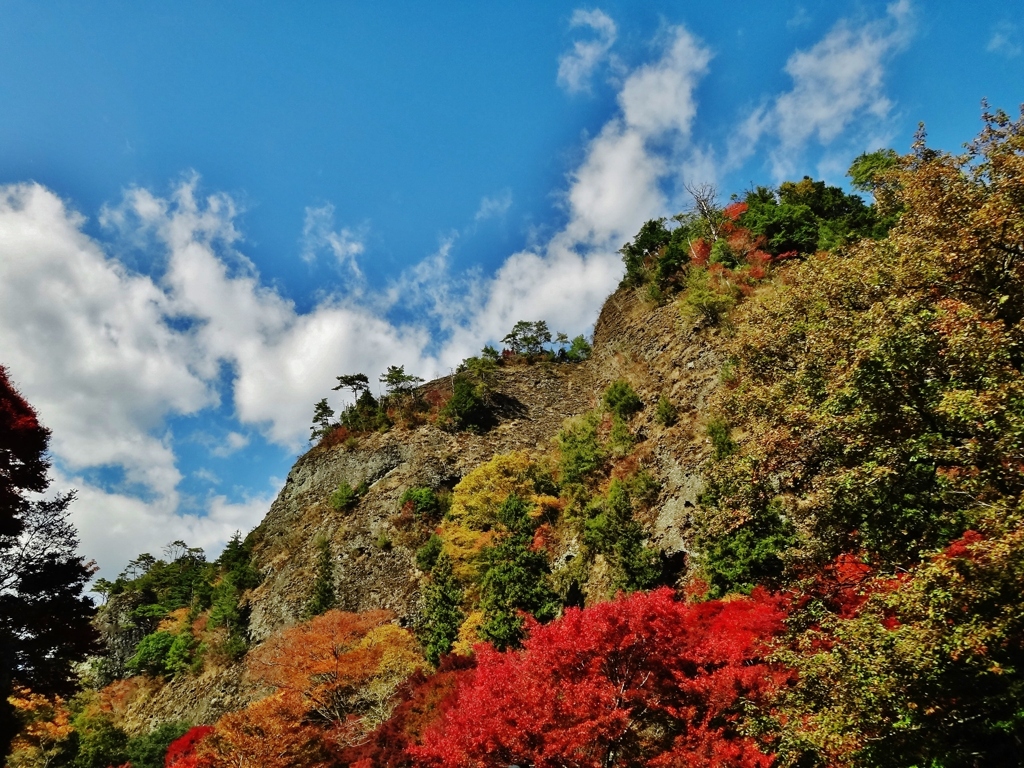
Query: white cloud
x,y
837,83
89,343
1005,40
318,233
233,442
576,67
494,207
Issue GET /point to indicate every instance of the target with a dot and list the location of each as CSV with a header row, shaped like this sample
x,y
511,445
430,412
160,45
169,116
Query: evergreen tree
x,y
323,597
515,580
442,612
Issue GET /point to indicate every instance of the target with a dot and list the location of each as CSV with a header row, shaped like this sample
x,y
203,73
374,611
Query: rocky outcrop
x,y
657,350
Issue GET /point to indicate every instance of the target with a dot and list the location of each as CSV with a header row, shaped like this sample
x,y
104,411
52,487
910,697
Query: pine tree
x,y
442,612
323,597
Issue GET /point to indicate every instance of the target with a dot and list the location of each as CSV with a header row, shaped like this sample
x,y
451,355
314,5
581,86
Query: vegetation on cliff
x,y
852,587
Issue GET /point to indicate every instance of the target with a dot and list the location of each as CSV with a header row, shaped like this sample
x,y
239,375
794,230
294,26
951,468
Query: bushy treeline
x,y
463,404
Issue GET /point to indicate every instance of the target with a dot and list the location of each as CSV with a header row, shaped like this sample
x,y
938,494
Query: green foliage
x,y
466,410
515,579
179,655
344,498
867,169
323,420
151,654
148,750
236,562
528,339
620,438
657,253
573,351
581,451
398,381
807,216
666,413
425,502
426,556
365,415
621,399
357,382
182,580
707,298
323,597
611,530
721,438
748,555
441,612
101,744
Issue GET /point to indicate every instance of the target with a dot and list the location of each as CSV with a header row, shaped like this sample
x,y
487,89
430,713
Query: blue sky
x,y
210,210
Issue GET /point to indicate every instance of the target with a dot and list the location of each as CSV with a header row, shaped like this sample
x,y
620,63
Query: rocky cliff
x,y
655,349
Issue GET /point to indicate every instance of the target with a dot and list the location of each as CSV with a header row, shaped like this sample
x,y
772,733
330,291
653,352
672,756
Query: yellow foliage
x,y
472,519
477,497
469,634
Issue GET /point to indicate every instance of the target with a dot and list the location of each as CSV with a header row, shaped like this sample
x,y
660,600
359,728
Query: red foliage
x,y
23,464
734,210
336,436
642,680
963,547
182,752
700,252
422,700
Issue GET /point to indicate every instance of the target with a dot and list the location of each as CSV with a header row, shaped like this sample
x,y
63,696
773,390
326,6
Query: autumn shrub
x,y
339,666
422,699
44,733
472,521
181,753
927,669
644,680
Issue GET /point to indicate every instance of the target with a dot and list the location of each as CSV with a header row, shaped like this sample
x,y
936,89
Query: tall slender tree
x,y
45,619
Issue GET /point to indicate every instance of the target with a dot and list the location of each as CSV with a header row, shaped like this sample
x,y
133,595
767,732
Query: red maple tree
x,y
645,679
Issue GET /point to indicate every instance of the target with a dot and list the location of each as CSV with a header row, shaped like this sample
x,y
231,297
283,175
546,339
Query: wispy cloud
x,y
837,83
1005,40
318,234
577,66
233,443
494,207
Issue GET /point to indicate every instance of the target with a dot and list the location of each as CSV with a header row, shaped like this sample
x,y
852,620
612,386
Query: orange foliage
x,y
46,723
272,733
339,663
